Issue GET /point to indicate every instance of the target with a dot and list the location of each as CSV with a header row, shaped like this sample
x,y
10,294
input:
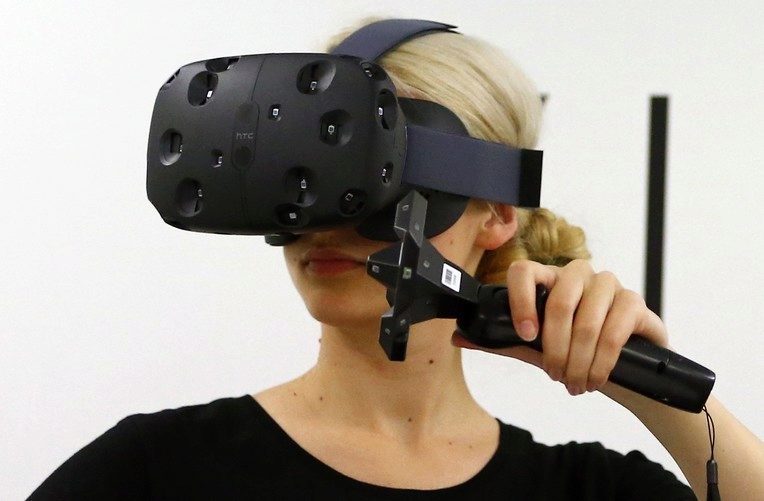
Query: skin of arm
x,y
738,452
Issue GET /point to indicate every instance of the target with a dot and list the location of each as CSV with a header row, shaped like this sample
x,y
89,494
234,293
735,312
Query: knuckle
x,y
610,346
580,264
586,330
519,266
561,306
607,277
632,299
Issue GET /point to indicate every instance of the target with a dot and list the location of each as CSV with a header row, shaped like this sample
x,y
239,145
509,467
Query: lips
x,y
328,254
329,262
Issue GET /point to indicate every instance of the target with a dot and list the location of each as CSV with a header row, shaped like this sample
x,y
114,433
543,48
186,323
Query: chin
x,y
346,307
350,299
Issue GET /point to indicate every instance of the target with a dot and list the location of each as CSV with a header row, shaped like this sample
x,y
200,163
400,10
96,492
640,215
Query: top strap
x,y
374,40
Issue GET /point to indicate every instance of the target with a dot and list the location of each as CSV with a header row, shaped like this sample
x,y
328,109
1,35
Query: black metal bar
x,y
656,197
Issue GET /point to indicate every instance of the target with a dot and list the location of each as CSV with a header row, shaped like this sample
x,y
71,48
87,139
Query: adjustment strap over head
x,y
374,40
437,160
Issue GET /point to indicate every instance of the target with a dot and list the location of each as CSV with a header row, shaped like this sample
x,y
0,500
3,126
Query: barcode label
x,y
451,277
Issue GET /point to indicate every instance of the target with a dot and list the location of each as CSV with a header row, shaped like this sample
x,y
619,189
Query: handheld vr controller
x,y
423,285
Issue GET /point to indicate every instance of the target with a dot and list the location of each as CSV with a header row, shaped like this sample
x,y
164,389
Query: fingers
x,y
628,316
522,277
587,319
561,306
650,326
587,324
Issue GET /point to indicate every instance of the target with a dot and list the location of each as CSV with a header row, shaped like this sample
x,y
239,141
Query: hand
x,y
588,318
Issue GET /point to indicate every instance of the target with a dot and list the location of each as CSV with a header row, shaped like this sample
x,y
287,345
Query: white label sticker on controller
x,y
451,277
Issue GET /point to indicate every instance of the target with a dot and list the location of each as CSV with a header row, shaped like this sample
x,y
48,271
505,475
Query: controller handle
x,y
643,367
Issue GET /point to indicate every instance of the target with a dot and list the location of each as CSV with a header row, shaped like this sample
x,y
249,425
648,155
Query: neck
x,y
353,382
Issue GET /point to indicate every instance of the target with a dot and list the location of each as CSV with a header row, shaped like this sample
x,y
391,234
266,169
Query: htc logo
x,y
245,136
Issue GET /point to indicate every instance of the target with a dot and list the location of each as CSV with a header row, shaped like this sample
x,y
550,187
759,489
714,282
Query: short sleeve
x,y
112,466
590,471
638,478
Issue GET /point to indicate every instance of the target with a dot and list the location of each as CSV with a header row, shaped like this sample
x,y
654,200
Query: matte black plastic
x,y
443,208
251,192
285,144
296,143
643,367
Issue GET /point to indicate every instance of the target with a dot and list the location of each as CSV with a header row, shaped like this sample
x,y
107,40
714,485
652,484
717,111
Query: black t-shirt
x,y
231,448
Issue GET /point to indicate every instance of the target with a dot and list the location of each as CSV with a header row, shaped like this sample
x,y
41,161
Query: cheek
x,y
451,246
292,261
458,243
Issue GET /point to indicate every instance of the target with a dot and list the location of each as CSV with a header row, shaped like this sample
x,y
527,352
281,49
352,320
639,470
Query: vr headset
x,y
286,144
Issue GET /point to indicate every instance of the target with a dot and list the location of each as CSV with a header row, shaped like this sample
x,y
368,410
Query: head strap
x,y
374,40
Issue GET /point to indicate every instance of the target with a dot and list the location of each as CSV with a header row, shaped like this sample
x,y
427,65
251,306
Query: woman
x,y
358,426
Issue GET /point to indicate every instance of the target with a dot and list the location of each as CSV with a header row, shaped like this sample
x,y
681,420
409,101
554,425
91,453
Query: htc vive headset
x,y
285,144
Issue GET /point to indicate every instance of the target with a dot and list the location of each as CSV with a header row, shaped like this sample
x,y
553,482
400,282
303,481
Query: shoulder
x,y
207,421
110,465
589,467
119,463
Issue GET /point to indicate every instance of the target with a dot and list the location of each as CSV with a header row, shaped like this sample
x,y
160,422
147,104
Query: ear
x,y
498,227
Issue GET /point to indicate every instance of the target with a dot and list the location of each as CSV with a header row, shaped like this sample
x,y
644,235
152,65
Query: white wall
x,y
106,311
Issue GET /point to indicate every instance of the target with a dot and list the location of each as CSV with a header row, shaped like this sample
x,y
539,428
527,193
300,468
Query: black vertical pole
x,y
656,197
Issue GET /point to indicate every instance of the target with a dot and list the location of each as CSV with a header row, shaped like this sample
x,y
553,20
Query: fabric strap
x,y
373,40
437,160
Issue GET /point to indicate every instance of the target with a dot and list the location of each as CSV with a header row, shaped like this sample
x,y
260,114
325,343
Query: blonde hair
x,y
496,102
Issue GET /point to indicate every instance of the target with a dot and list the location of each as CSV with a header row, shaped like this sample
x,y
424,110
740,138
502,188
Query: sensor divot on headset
x,y
202,88
315,77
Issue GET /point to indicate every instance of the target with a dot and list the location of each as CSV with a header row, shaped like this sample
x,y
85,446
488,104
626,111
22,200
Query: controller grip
x,y
643,367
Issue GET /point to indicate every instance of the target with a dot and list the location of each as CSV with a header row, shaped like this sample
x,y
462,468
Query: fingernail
x,y
591,387
527,330
555,374
456,340
574,390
